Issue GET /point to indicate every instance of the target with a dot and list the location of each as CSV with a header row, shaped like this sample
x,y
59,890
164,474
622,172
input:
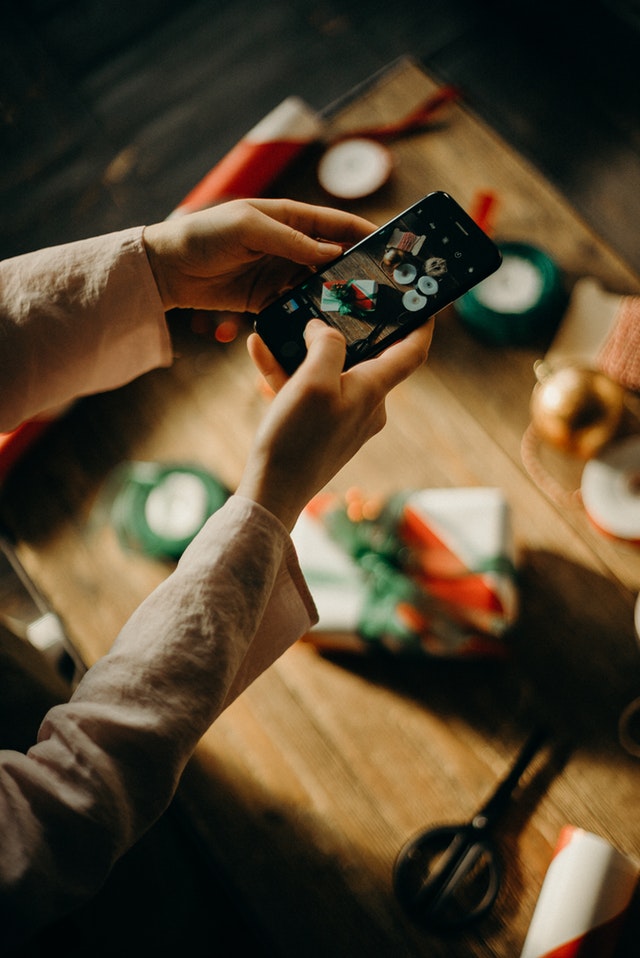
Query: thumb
x,y
326,349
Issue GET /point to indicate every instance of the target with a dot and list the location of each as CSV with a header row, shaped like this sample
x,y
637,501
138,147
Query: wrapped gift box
x,y
433,572
353,296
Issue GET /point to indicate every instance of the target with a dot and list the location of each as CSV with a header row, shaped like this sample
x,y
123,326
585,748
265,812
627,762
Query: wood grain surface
x,y
306,788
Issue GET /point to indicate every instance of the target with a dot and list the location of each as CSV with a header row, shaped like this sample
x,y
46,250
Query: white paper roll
x,y
583,900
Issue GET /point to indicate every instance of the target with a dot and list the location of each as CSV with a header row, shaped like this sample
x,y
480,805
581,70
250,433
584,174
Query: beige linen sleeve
x,y
77,319
107,763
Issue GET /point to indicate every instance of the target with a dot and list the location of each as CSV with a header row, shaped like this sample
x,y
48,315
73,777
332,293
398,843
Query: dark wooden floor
x,y
111,111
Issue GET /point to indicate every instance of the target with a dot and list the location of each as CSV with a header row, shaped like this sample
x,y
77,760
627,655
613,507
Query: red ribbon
x,y
420,118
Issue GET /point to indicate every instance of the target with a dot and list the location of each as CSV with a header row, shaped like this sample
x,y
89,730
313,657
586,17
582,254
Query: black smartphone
x,y
386,285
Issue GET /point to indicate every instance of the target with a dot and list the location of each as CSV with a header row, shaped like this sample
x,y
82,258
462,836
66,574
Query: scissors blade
x,y
449,876
502,794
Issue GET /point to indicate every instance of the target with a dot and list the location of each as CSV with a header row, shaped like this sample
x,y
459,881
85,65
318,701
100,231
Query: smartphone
x,y
386,285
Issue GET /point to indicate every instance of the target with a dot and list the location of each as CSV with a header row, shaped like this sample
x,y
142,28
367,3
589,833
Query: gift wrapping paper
x,y
583,900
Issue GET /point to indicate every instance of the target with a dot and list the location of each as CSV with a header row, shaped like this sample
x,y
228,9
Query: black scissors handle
x,y
449,876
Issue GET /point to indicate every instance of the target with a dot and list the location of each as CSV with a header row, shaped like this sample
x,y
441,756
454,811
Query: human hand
x,y
321,416
239,255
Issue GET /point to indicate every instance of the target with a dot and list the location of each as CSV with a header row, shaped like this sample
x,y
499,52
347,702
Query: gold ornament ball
x,y
577,410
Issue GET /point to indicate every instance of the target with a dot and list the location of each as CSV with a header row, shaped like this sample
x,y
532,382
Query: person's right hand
x,y
321,416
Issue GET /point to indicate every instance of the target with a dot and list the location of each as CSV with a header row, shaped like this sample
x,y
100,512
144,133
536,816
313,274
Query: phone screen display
x,y
386,285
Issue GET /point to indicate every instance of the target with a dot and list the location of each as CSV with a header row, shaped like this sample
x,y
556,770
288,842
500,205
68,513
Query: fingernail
x,y
330,249
314,324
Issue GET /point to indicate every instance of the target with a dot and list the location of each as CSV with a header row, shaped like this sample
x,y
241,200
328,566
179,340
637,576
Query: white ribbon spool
x,y
610,489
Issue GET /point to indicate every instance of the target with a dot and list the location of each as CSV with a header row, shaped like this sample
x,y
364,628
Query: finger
x,y
326,349
399,361
266,363
316,220
294,235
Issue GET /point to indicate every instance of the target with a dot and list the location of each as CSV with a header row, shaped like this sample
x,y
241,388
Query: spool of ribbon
x,y
354,168
157,509
610,490
520,303
583,900
357,163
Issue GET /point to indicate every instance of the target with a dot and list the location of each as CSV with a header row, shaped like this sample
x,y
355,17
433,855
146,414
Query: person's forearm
x,y
107,763
74,320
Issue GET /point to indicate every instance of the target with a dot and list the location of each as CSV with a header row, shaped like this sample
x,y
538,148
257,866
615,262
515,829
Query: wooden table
x,y
306,788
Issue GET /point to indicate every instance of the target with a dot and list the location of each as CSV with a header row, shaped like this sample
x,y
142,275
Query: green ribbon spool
x,y
521,303
157,509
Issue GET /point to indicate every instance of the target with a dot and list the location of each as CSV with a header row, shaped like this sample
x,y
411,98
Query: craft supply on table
x,y
575,409
427,572
583,900
448,876
357,164
600,330
156,509
354,168
610,490
578,404
255,162
520,303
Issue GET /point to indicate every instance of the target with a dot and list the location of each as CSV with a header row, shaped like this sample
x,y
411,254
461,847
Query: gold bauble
x,y
575,409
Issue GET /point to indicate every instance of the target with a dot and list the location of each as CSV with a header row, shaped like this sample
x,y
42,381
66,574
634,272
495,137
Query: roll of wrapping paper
x,y
520,303
583,901
253,164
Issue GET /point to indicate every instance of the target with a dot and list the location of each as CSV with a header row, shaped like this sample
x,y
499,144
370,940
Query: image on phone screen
x,y
388,284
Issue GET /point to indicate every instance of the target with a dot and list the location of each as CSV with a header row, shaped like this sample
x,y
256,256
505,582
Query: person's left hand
x,y
240,255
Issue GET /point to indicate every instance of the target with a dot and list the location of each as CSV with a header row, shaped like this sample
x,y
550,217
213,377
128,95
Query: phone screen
x,y
386,285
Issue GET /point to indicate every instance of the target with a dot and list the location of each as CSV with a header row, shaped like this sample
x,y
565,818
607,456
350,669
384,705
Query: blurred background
x,y
112,111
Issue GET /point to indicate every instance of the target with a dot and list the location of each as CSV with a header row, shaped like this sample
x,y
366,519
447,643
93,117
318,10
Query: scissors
x,y
449,876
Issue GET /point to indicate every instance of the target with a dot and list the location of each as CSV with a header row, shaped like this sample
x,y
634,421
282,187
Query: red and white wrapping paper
x,y
583,901
462,555
462,540
265,152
